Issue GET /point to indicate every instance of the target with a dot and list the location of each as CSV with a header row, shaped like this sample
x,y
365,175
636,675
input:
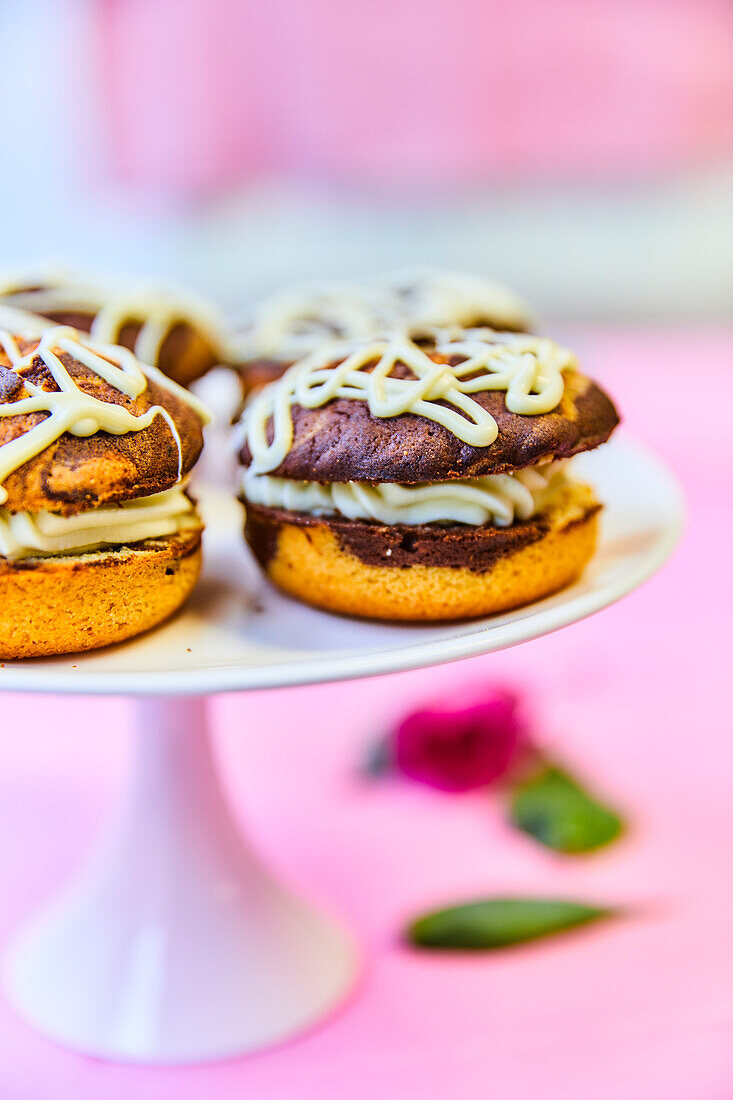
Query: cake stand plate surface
x,y
176,943
238,633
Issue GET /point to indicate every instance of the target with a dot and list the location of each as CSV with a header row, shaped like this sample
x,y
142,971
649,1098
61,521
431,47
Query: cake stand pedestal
x,y
176,944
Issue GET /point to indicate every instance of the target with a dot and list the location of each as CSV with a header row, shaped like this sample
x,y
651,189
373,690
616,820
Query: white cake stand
x,y
176,944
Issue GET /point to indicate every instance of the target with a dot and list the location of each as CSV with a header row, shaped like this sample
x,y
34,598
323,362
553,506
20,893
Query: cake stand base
x,y
176,944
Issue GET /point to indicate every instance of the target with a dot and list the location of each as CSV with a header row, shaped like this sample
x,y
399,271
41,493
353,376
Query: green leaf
x,y
553,808
499,922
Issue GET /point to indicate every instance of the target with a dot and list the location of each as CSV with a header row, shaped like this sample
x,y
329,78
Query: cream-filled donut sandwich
x,y
426,480
99,539
180,333
288,325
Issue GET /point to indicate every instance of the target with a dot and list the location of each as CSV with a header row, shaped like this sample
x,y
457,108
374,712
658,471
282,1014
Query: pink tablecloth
x,y
636,697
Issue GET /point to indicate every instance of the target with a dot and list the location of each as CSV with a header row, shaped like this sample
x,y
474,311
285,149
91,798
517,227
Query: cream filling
x,y
498,499
34,534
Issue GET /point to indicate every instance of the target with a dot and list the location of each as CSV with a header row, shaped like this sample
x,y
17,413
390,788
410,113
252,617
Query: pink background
x,y
414,93
635,698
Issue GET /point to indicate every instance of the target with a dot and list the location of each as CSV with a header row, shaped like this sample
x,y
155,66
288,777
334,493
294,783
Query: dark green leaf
x,y
499,922
553,808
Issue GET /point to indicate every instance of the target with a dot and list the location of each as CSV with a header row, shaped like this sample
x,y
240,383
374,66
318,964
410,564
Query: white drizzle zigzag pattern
x,y
527,368
72,410
158,310
290,324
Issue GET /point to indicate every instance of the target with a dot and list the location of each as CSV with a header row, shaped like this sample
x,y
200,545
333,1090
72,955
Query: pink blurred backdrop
x,y
200,95
414,92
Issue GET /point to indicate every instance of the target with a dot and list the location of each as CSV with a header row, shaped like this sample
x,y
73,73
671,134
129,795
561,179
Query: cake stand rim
x,y
534,621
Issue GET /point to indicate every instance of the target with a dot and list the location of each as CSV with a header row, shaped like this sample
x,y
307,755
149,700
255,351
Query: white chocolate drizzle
x,y
43,534
157,309
528,369
497,499
433,298
72,410
290,324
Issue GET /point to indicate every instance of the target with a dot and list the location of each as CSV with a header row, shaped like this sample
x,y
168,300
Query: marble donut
x,y
99,538
381,503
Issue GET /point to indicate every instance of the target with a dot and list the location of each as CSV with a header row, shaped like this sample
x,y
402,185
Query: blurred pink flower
x,y
464,747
